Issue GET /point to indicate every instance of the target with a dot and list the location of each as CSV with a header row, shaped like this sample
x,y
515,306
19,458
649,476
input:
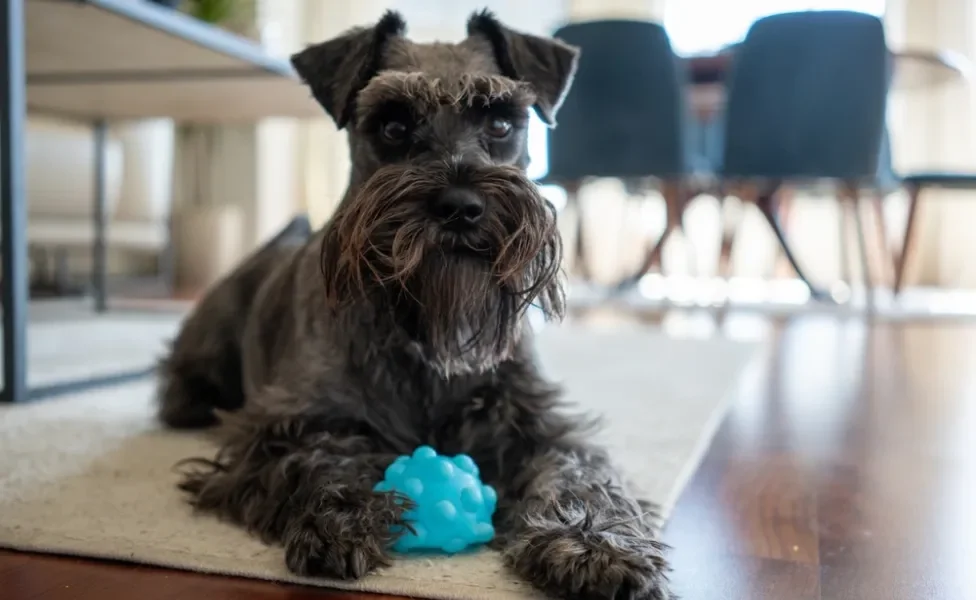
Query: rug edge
x,y
715,420
405,587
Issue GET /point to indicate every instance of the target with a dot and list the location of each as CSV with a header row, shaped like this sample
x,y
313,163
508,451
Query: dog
x,y
402,322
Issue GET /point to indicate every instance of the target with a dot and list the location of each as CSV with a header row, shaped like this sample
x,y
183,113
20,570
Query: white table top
x,y
131,59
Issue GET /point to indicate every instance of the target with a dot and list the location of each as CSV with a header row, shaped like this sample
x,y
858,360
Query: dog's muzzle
x,y
406,217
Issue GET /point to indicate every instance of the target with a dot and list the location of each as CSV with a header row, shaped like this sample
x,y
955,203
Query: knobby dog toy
x,y
453,509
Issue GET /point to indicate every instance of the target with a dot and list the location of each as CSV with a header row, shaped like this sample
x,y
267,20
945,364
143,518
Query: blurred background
x,y
680,150
797,172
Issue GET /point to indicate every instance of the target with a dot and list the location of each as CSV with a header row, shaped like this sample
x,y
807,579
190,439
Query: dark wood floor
x,y
846,469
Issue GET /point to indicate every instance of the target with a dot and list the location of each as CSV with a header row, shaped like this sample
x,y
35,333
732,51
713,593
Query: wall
x,y
582,10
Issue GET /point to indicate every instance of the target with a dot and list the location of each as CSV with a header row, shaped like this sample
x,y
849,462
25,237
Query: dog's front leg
x,y
574,531
291,482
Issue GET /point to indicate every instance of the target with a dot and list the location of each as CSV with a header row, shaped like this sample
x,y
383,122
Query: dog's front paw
x,y
591,563
345,540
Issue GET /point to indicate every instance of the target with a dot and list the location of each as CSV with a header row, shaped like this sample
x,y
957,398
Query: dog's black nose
x,y
458,206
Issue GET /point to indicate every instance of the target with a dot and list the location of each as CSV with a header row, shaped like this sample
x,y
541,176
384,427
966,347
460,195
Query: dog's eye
x,y
498,127
395,132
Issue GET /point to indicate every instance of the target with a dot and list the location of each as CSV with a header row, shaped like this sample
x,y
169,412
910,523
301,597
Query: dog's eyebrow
x,y
482,90
428,93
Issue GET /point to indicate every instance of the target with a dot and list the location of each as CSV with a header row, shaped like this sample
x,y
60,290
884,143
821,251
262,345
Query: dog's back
x,y
203,369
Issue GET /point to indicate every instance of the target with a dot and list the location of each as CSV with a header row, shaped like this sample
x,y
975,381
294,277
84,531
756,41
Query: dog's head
x,y
441,224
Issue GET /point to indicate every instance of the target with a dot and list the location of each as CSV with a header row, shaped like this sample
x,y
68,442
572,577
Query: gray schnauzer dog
x,y
402,322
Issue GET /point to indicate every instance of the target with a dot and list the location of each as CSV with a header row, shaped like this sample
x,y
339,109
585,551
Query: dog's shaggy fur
x,y
327,354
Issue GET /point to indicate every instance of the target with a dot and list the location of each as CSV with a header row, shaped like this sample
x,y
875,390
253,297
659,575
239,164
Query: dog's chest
x,y
408,408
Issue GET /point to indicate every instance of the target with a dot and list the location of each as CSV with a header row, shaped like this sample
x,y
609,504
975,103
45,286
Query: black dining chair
x,y
806,104
625,117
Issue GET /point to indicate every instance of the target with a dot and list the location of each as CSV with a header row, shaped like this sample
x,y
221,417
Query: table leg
x,y
13,223
99,248
99,276
14,202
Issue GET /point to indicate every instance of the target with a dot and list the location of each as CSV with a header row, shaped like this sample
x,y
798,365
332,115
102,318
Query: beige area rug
x,y
91,475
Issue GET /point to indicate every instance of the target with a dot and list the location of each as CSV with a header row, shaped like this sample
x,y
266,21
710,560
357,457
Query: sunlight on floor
x,y
777,297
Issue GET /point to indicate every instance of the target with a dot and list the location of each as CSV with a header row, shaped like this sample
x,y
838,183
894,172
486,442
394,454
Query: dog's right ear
x,y
338,69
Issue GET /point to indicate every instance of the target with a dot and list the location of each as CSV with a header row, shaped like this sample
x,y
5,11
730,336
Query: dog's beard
x,y
461,296
462,319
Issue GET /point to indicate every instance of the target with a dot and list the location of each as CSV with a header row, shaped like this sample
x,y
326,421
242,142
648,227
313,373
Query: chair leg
x,y
785,201
767,204
167,263
746,194
579,253
852,198
39,274
674,201
677,196
863,251
726,245
885,261
908,244
844,229
694,267
62,275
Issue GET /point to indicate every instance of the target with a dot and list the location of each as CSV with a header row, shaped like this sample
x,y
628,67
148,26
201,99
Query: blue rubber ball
x,y
453,508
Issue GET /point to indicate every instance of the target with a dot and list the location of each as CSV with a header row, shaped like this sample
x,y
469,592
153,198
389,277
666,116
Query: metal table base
x,y
13,219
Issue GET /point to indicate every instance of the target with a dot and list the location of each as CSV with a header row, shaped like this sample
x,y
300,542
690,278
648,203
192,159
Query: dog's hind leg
x,y
203,369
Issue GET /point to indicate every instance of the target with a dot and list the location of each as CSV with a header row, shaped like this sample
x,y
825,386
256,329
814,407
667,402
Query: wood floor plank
x,y
899,529
757,508
43,577
743,578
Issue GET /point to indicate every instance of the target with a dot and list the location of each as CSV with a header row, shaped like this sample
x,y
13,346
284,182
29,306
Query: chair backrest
x,y
807,97
624,115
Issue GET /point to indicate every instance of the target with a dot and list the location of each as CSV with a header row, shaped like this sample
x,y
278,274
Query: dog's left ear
x,y
548,64
338,69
